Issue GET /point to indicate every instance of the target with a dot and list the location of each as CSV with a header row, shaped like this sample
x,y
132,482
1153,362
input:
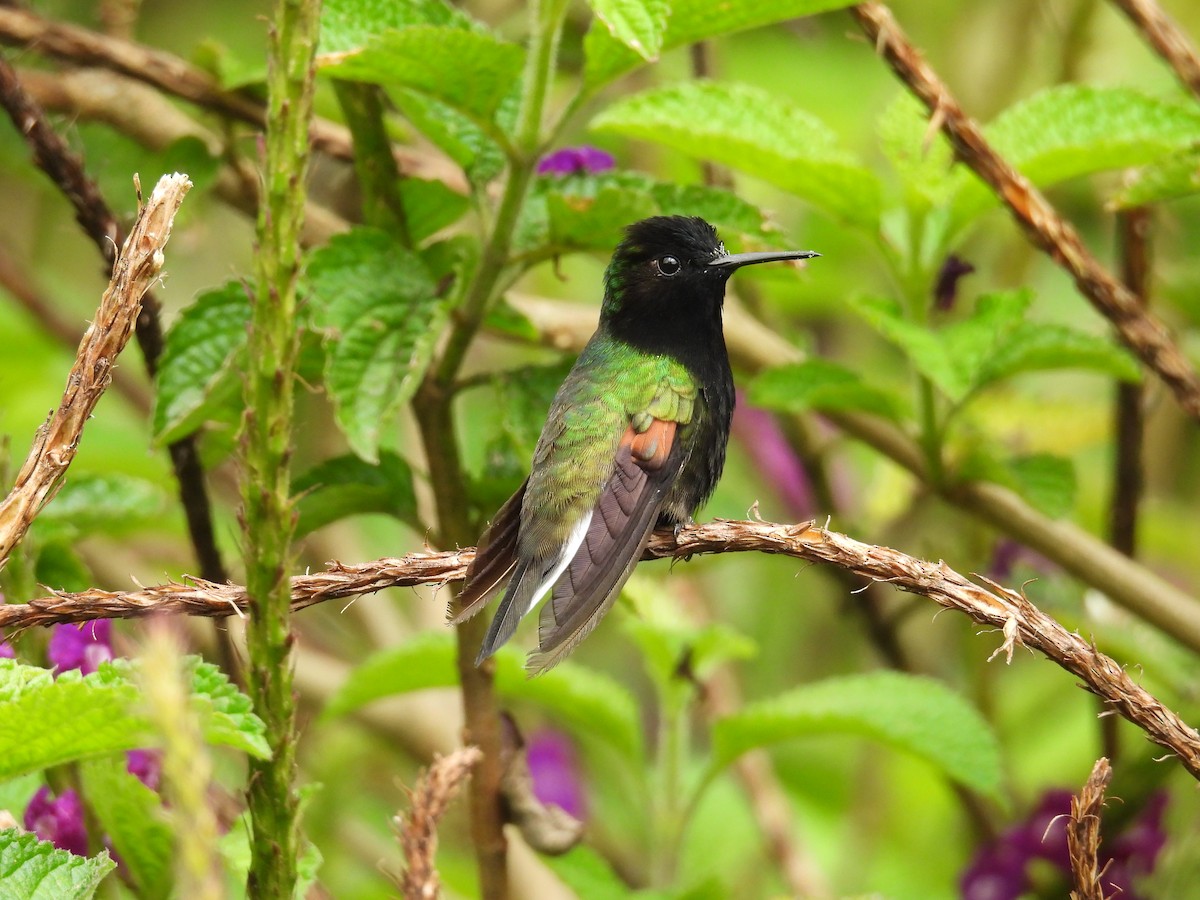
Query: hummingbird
x,y
635,438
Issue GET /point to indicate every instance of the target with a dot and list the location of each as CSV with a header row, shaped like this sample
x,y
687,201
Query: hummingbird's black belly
x,y
705,460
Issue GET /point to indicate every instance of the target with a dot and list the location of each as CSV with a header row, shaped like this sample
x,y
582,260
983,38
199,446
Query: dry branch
x,y
55,444
1145,335
1161,33
417,831
1006,610
1083,834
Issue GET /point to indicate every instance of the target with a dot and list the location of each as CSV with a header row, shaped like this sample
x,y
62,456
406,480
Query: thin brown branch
x,y
54,446
1142,333
1167,39
1008,611
417,830
1133,236
1083,834
754,347
179,78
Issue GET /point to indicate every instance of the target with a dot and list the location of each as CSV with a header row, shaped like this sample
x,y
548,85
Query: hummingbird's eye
x,y
668,265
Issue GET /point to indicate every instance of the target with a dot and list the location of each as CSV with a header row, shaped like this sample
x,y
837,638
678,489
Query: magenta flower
x,y
583,160
81,647
6,651
146,765
555,770
58,820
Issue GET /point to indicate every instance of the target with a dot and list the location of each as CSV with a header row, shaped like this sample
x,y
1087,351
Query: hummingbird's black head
x,y
667,280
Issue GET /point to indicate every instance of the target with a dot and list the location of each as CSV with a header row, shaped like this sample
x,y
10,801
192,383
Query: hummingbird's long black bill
x,y
737,260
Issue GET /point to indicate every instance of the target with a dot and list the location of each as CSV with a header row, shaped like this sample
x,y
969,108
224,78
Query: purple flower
x,y
945,289
146,765
6,651
576,160
996,873
81,647
764,440
58,820
555,770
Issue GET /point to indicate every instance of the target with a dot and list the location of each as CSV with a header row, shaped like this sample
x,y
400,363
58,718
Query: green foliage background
x,y
824,149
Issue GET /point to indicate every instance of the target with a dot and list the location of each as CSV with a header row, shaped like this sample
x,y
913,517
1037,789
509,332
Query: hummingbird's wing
x,y
495,559
647,464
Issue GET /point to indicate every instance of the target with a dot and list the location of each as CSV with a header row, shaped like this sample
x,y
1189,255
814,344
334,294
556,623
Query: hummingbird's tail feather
x,y
620,526
495,560
531,579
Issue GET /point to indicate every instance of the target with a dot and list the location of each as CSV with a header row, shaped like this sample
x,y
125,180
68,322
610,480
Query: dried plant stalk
x,y
417,831
54,446
1083,834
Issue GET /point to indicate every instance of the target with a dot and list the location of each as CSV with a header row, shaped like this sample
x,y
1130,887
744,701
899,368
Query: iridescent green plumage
x,y
636,436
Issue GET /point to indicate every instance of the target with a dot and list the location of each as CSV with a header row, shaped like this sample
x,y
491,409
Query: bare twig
x,y
1083,834
417,830
177,77
1161,33
1144,334
753,347
1018,620
96,218
54,446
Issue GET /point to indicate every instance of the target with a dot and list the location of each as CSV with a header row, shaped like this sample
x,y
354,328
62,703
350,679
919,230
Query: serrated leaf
x,y
586,702
377,305
346,486
763,135
133,819
691,21
198,352
1072,130
348,25
819,384
480,158
468,70
1034,346
924,348
972,342
636,24
924,160
910,713
35,870
50,721
429,206
1170,178
106,504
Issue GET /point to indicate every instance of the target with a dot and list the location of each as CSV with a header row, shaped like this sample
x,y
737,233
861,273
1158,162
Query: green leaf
x,y
132,817
195,379
588,703
924,160
348,25
454,133
819,384
636,24
1046,481
34,870
468,70
924,348
906,712
973,342
378,307
1170,178
1072,130
104,504
60,567
1040,347
763,135
691,21
429,206
346,485
50,721
590,875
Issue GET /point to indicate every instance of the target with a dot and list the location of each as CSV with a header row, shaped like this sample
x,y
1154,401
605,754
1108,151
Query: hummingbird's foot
x,y
679,526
